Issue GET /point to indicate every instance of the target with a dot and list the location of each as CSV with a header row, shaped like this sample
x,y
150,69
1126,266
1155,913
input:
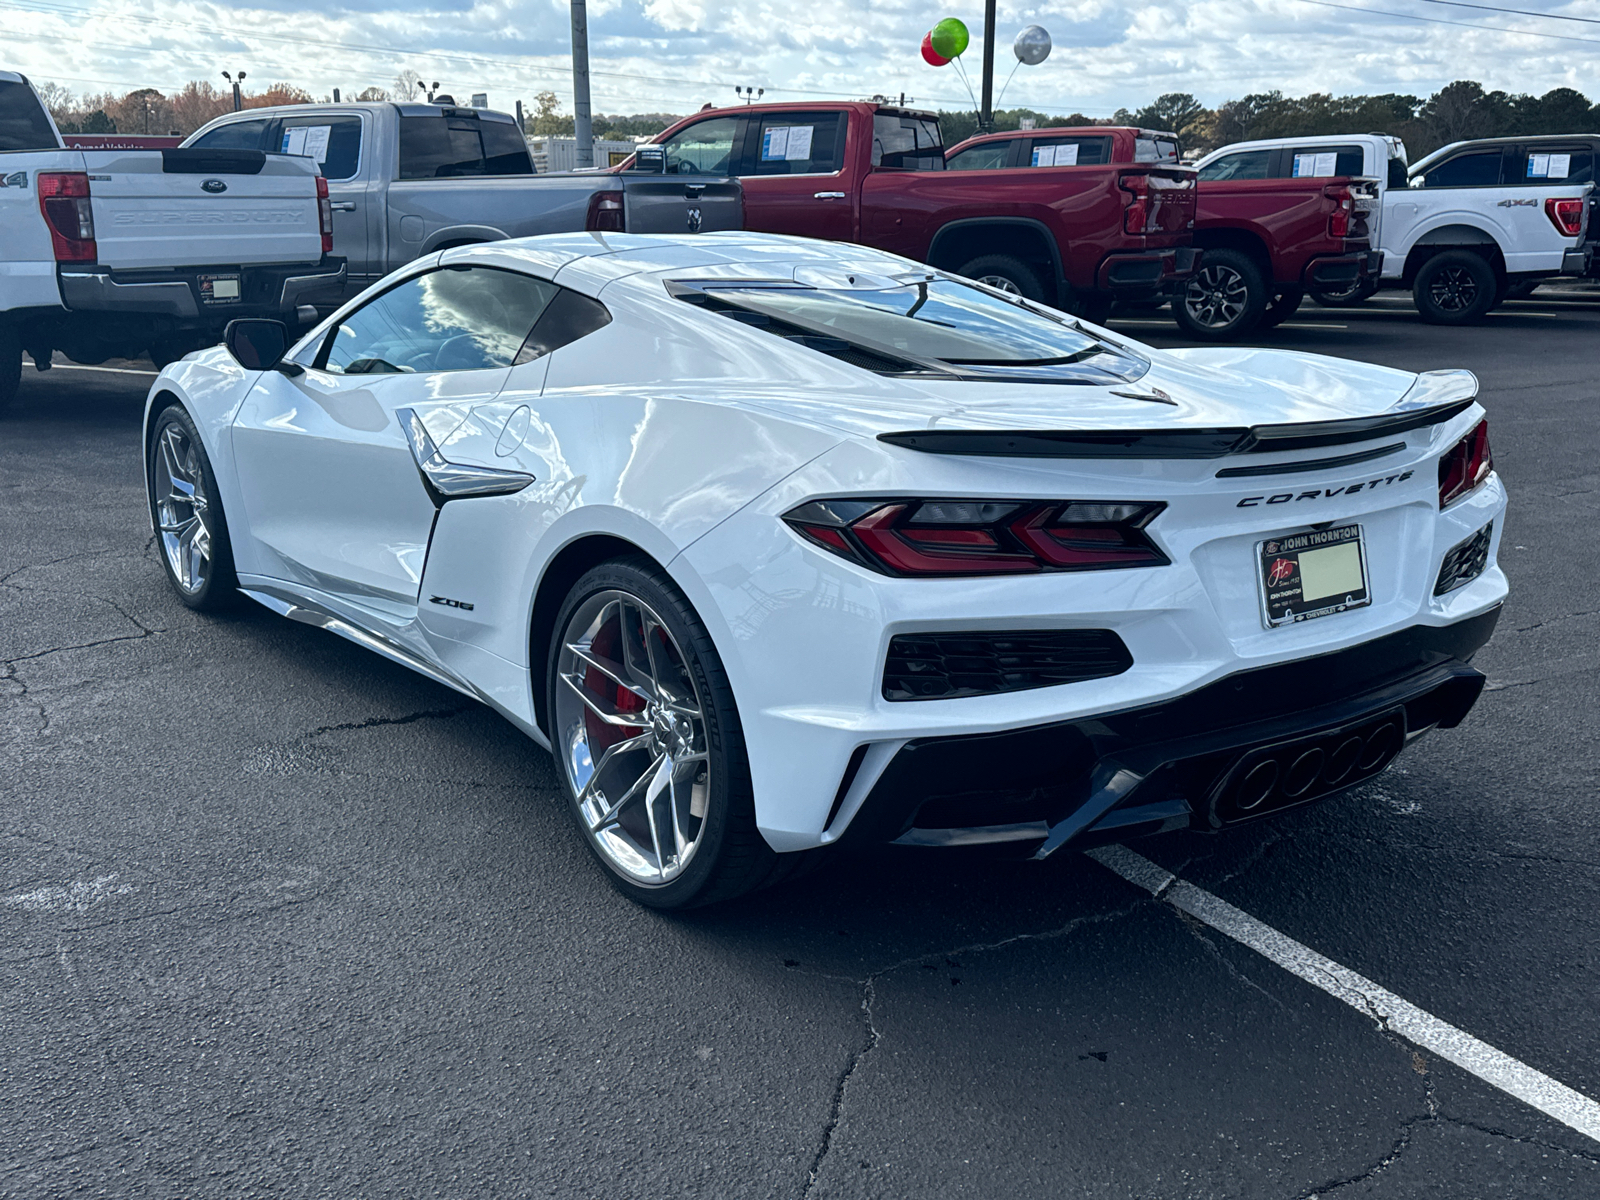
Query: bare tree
x,y
57,99
373,93
407,84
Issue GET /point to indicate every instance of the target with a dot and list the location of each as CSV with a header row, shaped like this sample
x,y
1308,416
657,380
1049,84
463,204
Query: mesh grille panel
x,y
941,666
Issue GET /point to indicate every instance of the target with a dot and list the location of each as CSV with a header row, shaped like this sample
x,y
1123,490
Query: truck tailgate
x,y
1173,197
676,204
188,208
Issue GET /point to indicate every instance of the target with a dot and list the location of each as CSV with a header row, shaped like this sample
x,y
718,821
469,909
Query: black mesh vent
x,y
1464,563
940,666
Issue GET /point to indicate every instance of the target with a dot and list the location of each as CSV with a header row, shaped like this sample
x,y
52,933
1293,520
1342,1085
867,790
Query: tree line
x,y
1459,110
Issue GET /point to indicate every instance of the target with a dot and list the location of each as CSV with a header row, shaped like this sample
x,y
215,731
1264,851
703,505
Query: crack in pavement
x,y
427,714
869,993
1588,612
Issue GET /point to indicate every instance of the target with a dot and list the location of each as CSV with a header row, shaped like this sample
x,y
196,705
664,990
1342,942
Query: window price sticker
x,y
1056,156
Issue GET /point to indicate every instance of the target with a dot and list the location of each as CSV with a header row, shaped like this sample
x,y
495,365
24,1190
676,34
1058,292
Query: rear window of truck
x,y
1155,149
1555,164
1069,152
445,147
1322,162
334,141
906,143
23,123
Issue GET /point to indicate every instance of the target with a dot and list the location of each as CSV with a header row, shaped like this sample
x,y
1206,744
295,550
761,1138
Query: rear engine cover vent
x,y
1465,562
943,666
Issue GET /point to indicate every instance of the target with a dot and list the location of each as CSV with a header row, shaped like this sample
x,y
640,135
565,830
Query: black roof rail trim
x,y
1169,443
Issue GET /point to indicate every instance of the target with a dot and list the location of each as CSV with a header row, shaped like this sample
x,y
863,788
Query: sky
x,y
675,55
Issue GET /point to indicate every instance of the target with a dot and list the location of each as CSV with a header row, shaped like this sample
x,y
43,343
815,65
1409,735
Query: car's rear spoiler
x,y
1436,397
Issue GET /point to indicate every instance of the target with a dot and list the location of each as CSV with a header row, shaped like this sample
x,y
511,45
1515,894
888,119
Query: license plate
x,y
219,289
1312,574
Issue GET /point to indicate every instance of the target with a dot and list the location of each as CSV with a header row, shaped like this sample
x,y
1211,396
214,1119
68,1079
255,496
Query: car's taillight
x,y
1343,212
1465,465
64,201
605,212
1565,215
325,215
982,537
1136,216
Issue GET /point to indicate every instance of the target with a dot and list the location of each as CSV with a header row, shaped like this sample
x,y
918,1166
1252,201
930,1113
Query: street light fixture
x,y
750,94
238,101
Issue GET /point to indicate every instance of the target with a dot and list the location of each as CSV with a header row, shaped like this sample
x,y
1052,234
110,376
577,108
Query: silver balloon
x,y
1032,46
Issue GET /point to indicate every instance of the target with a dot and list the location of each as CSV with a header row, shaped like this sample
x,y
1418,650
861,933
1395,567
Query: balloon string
x,y
967,82
1007,83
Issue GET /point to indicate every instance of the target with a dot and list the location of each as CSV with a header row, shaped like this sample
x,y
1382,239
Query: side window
x,y
986,156
1399,177
796,144
906,143
505,151
1154,149
1323,162
1466,170
235,135
570,316
1247,164
453,319
1070,152
439,147
704,148
1555,164
23,125
334,141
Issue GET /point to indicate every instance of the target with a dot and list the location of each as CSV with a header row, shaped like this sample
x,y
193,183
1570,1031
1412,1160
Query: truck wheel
x,y
1006,274
10,366
1455,288
1282,308
1093,307
1345,297
1224,298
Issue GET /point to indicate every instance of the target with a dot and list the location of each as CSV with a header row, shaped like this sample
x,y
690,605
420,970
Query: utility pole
x,y
238,102
986,117
582,118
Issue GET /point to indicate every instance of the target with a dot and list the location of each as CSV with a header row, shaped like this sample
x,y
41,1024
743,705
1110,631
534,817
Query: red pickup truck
x,y
1266,236
875,174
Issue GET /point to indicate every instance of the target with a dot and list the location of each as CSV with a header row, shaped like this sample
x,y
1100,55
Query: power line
x,y
1521,12
1383,12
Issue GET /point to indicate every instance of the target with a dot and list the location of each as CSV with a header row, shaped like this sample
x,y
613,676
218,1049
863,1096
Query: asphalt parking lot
x,y
281,918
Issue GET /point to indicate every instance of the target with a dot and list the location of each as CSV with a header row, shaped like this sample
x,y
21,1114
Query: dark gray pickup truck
x,y
408,179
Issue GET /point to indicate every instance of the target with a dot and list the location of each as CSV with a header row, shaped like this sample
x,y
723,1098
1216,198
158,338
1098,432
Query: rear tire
x,y
1457,287
10,366
1224,298
1007,274
186,513
1281,309
1094,307
1346,297
665,802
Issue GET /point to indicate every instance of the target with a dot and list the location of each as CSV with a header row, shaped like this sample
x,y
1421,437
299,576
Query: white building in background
x,y
561,153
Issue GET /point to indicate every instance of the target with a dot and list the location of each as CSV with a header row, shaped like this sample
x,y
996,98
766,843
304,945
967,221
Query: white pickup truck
x,y
112,253
1463,229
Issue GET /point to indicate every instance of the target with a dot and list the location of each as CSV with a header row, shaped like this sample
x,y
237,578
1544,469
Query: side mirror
x,y
257,345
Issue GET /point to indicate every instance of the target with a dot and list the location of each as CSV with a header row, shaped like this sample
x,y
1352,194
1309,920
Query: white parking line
x,y
108,370
1554,1099
1174,327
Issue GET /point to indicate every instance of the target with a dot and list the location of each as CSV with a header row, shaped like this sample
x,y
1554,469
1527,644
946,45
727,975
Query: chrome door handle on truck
x,y
827,195
343,206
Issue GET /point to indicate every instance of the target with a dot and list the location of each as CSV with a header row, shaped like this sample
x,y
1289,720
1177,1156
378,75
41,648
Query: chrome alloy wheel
x,y
630,724
1000,283
183,515
1216,296
1453,289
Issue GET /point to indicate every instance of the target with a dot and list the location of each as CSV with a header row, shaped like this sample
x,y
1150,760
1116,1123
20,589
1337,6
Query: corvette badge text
x,y
1324,493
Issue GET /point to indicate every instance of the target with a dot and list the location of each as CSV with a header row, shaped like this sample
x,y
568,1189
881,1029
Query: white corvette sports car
x,y
776,543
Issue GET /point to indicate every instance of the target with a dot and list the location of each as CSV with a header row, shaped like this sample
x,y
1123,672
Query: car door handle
x,y
446,480
343,206
827,195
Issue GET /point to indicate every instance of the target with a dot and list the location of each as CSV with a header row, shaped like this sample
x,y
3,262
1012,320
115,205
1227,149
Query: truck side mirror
x,y
257,345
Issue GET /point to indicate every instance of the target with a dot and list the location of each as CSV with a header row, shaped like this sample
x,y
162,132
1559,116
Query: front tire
x,y
1457,287
1006,274
648,745
186,511
1224,298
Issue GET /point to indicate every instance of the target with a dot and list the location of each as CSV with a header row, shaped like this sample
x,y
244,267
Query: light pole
x,y
582,117
238,101
986,116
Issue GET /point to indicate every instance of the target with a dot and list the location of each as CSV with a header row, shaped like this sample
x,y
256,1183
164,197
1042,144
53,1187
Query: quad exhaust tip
x,y
1277,777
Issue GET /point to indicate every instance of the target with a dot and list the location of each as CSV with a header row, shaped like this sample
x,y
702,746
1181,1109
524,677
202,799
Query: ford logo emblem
x,y
213,186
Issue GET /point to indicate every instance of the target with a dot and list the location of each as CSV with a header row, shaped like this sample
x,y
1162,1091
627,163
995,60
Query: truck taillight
x,y
605,212
1136,217
1343,212
64,201
1465,465
1565,215
325,215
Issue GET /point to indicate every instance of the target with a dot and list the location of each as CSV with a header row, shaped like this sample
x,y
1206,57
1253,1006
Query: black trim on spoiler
x,y
1169,443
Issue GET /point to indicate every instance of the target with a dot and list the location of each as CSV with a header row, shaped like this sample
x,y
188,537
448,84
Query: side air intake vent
x,y
943,666
1464,563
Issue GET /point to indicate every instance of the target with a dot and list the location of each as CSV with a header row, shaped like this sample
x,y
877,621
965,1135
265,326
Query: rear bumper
x,y
175,295
1577,262
1327,272
1243,746
1146,274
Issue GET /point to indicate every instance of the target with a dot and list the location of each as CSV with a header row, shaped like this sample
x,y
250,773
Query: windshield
x,y
934,319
